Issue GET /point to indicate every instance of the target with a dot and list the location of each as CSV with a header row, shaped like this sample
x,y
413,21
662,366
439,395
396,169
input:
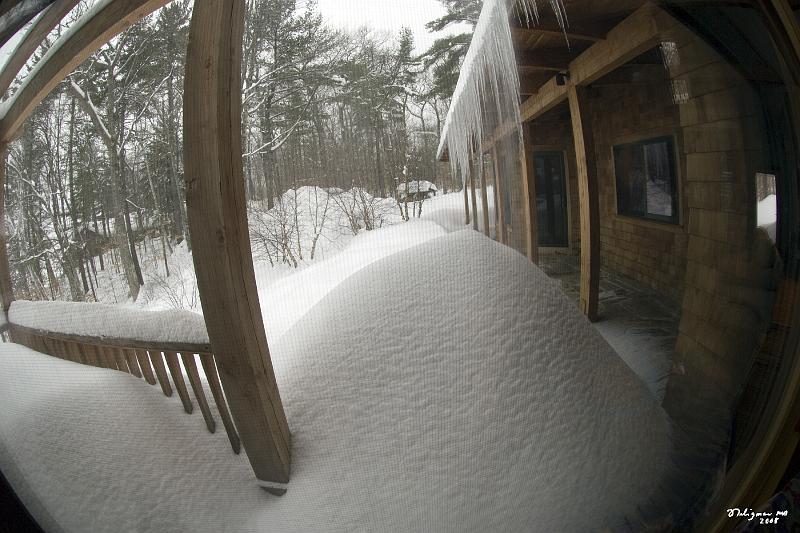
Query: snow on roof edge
x,y
491,51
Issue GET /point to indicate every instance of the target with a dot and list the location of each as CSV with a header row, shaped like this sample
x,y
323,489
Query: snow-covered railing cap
x,y
102,321
489,81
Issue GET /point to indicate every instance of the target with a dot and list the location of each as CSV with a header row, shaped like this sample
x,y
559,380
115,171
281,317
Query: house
x,y
635,143
636,146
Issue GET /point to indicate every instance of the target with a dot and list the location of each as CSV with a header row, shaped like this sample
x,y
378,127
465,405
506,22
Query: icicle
x,y
487,92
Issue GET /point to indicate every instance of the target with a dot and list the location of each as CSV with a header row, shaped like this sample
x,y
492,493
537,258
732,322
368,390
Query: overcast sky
x,y
390,15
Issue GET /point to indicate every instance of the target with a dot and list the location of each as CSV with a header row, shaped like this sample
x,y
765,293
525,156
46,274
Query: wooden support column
x,y
484,198
529,195
472,191
587,197
466,204
217,215
6,289
500,205
473,197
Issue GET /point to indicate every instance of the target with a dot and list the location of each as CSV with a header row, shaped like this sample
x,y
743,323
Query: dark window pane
x,y
645,178
551,204
660,179
630,173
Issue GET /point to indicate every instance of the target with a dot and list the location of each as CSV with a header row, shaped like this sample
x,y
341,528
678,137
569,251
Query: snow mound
x,y
110,321
482,401
446,210
450,387
285,301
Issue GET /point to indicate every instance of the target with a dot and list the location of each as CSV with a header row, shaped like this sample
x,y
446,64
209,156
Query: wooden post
x,y
500,206
529,195
217,215
472,191
466,204
6,289
484,197
589,204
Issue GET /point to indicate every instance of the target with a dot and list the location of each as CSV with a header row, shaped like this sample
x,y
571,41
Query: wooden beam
x,y
589,203
93,30
530,210
472,191
630,38
466,204
557,60
552,29
6,289
500,205
217,215
33,39
484,198
20,14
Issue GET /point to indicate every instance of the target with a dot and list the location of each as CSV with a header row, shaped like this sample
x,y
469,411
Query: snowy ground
x,y
767,215
413,402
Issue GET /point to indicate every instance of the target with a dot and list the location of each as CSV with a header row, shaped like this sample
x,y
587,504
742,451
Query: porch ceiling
x,y
544,48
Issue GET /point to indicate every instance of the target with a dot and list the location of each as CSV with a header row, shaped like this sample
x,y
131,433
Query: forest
x,y
96,178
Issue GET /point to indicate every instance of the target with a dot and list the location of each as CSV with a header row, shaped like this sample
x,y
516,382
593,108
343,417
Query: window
x,y
767,204
646,183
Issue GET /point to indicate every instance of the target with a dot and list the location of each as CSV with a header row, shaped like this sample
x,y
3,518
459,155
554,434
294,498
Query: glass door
x,y
551,199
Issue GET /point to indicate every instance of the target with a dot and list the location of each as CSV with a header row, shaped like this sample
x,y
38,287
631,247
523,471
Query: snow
x,y
767,215
110,321
284,302
448,210
506,412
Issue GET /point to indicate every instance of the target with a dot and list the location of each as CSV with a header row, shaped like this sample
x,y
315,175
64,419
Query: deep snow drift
x,y
447,387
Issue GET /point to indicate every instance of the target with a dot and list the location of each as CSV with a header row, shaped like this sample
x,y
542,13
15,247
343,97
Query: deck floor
x,y
638,322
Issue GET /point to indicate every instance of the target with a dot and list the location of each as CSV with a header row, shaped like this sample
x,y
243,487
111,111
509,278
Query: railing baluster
x,y
42,346
89,354
133,362
96,354
158,364
122,362
74,350
144,364
177,378
154,365
197,386
51,347
210,369
107,358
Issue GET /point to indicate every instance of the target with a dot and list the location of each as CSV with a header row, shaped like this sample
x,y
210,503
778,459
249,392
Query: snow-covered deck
x,y
508,413
638,322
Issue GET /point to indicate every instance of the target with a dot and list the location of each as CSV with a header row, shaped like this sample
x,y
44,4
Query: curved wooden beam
x,y
217,214
105,20
34,37
15,18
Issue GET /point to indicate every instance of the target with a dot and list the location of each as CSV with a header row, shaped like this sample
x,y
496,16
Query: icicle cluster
x,y
487,92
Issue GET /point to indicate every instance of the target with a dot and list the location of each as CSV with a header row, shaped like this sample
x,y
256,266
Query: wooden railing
x,y
155,363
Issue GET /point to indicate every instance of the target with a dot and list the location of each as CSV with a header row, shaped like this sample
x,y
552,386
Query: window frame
x,y
675,219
